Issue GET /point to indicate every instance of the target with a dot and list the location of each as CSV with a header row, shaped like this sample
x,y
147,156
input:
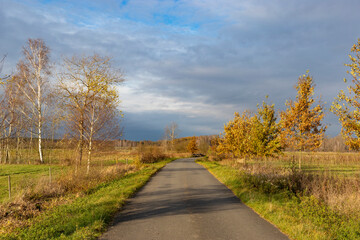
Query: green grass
x,y
86,217
23,175
300,217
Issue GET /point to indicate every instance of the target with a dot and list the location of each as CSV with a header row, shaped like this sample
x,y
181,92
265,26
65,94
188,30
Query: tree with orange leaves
x,y
192,146
301,122
347,107
236,139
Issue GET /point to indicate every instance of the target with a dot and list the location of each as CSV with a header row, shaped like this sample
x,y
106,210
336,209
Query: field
x,y
319,201
42,193
87,214
24,176
332,163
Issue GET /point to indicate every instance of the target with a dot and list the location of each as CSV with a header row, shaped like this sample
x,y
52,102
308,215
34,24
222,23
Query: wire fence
x,y
15,183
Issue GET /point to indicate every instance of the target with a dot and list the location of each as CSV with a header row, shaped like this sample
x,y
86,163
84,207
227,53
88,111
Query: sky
x,y
194,62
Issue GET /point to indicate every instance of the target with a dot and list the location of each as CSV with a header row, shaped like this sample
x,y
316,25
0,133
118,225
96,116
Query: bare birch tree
x,y
12,120
34,71
83,82
172,132
102,122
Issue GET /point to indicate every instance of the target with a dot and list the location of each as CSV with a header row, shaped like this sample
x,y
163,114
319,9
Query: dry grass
x,y
303,205
341,194
39,195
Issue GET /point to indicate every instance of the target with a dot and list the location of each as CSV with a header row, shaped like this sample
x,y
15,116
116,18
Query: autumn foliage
x,y
192,146
347,105
251,134
301,122
260,135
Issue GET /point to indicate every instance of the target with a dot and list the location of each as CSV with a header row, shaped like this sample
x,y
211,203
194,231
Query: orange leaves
x,y
251,134
261,135
301,122
347,106
192,146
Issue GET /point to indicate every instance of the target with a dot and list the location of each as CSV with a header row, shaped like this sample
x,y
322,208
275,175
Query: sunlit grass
x,y
24,176
300,216
86,217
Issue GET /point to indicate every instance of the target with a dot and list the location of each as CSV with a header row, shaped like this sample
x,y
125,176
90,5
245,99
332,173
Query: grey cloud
x,y
241,52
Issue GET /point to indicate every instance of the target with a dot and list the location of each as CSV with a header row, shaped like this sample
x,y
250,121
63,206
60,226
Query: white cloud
x,y
135,101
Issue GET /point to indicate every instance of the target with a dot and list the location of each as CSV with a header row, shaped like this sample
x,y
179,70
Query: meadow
x,y
26,172
320,200
332,163
37,205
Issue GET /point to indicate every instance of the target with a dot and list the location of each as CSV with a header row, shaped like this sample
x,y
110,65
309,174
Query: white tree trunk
x,y
90,138
89,156
40,124
40,145
7,150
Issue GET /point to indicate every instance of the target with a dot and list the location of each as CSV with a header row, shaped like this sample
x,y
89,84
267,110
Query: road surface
x,y
184,201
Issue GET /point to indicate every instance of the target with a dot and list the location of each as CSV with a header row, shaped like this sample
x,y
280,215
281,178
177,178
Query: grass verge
x,y
23,175
86,217
300,217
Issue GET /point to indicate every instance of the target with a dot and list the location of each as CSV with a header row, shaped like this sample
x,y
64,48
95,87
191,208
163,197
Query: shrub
x,y
151,154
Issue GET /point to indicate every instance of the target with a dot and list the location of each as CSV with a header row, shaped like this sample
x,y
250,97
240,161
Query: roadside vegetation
x,y
64,171
272,162
83,213
42,194
301,205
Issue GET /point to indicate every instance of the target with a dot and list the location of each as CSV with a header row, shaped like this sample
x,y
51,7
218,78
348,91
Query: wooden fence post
x,y
50,175
9,183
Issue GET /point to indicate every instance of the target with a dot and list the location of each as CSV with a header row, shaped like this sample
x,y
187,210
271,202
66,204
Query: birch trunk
x,y
7,148
39,105
92,121
17,146
89,156
30,145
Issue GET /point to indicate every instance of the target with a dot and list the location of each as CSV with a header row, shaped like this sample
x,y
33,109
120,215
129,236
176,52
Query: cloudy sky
x,y
194,62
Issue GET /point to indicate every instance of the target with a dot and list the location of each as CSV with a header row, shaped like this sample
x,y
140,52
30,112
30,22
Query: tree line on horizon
x,y
78,95
299,127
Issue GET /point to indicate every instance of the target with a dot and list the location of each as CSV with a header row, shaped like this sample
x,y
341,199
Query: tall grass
x,y
305,204
81,215
39,194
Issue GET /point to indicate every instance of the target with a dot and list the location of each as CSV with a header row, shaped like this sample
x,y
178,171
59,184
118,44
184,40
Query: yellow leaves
x,y
192,146
347,107
301,122
251,134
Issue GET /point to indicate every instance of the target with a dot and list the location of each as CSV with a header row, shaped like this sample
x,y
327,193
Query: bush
x,y
215,156
151,154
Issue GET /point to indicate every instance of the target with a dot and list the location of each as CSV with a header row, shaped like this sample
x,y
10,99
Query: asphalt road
x,y
184,201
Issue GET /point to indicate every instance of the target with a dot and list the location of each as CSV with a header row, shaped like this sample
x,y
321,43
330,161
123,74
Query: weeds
x,y
83,215
38,196
305,205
